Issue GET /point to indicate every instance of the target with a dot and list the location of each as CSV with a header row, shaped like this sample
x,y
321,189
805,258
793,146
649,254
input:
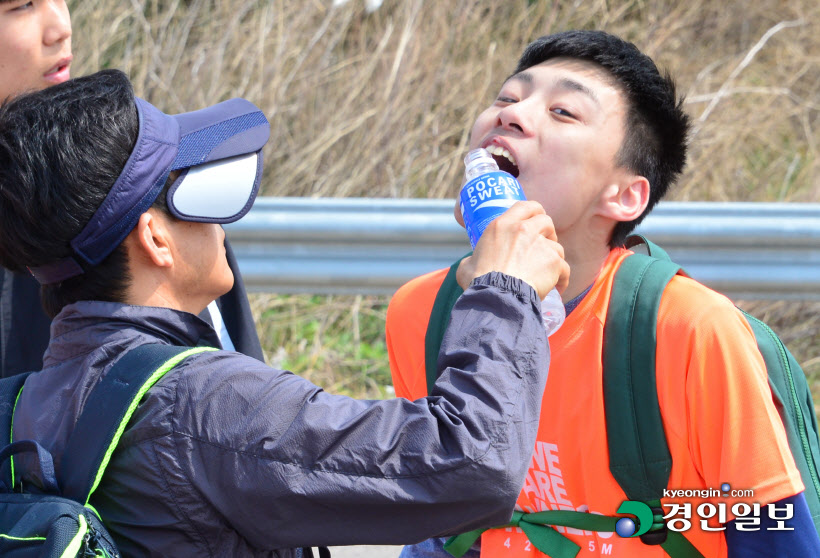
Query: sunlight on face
x,y
35,45
562,122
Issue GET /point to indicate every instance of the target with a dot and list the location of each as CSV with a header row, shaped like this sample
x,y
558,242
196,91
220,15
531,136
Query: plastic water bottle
x,y
487,193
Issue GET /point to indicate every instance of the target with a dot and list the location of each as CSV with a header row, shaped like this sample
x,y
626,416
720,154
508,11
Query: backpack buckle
x,y
656,536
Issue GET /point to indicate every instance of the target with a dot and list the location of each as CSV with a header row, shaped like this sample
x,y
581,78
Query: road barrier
x,y
373,245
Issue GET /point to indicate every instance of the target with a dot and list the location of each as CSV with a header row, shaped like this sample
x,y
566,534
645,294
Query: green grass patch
x,y
337,342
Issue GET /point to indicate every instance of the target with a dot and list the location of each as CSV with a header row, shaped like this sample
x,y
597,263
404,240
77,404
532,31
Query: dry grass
x,y
380,104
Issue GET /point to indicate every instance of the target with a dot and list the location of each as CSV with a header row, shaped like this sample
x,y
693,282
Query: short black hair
x,y
655,140
61,150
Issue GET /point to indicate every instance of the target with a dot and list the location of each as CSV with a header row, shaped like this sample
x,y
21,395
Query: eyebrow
x,y
522,76
572,85
564,83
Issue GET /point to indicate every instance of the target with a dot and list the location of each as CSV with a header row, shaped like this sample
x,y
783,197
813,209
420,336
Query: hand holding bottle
x,y
519,241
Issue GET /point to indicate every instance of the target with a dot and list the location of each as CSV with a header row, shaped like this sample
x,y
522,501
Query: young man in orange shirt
x,y
35,45
597,135
35,53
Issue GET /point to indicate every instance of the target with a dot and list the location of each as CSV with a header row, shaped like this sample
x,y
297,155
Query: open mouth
x,y
56,69
60,71
505,160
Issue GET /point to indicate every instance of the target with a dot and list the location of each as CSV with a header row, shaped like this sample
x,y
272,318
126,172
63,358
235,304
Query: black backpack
x,y
640,460
56,520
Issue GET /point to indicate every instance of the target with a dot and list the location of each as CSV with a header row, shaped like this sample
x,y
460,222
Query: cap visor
x,y
231,128
218,192
221,158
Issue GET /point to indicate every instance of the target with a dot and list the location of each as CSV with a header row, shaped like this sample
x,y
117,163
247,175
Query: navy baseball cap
x,y
217,149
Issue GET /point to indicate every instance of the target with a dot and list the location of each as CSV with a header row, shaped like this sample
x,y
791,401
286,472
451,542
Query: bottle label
x,y
485,197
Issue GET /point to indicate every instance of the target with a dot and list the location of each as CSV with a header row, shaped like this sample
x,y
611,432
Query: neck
x,y
586,256
153,291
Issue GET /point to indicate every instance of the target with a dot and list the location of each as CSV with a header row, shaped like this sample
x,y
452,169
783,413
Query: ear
x,y
627,200
151,239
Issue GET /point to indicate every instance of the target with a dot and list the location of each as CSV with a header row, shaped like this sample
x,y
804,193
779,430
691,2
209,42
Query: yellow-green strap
x,y
11,434
11,538
159,373
76,543
106,414
93,509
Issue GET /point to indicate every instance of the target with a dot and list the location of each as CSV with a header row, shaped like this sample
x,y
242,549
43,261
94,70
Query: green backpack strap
x,y
794,404
446,298
538,527
10,390
635,240
638,454
639,457
791,393
107,411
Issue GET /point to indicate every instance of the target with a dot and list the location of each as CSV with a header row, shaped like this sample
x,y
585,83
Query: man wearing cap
x,y
35,52
115,207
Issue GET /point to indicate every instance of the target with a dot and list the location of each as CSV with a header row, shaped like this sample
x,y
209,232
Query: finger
x,y
522,210
563,277
465,272
542,223
555,245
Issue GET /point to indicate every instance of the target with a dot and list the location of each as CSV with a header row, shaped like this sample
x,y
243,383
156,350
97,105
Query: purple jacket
x,y
228,457
24,326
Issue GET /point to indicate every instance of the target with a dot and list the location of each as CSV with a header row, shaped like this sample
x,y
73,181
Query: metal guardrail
x,y
372,246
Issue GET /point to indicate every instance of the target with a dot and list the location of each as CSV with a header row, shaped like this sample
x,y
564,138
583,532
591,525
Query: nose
x,y
56,22
511,117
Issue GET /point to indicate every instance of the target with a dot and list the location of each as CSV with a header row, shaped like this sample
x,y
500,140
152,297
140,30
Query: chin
x,y
228,284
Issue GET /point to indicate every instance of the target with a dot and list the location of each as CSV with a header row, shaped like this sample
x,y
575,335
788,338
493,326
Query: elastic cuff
x,y
508,283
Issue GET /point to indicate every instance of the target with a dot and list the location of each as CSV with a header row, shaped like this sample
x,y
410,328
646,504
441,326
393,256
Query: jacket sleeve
x,y
289,465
